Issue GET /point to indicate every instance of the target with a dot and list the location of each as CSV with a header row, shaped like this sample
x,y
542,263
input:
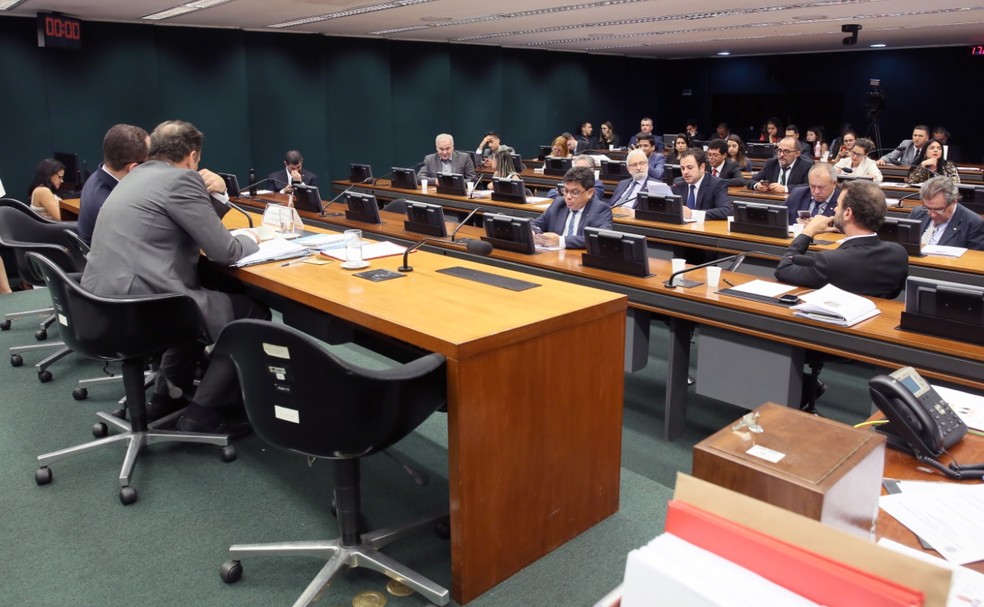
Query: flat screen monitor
x,y
73,172
771,220
509,233
405,179
517,162
360,173
757,149
659,207
231,183
425,218
905,231
944,309
307,198
616,252
614,170
556,166
362,207
669,140
508,190
545,150
698,144
972,197
452,184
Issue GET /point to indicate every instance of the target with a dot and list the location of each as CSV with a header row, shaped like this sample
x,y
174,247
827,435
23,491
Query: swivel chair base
x,y
363,554
135,441
44,375
49,319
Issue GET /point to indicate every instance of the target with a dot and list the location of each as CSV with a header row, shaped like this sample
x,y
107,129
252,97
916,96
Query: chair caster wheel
x,y
99,430
16,360
442,529
80,393
42,475
120,413
228,453
128,495
231,572
41,335
4,325
44,376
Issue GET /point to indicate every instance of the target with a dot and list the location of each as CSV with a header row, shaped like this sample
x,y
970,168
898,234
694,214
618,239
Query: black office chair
x,y
302,398
131,330
22,234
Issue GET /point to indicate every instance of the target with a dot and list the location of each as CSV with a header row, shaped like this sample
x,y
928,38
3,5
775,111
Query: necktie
x,y
782,176
570,226
817,207
624,200
714,171
692,197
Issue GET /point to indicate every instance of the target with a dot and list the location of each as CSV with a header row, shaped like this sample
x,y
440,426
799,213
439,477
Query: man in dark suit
x,y
944,220
793,131
782,172
151,233
446,160
701,190
124,149
718,164
862,264
585,140
563,223
909,150
646,126
819,197
628,190
293,172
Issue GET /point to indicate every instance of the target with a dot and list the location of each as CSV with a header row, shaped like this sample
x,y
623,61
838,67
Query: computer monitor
x,y
945,309
73,173
509,233
545,150
362,207
659,207
360,173
616,252
758,149
452,184
425,218
556,166
669,140
508,190
231,183
614,170
307,198
905,231
517,162
972,197
697,144
771,220
405,179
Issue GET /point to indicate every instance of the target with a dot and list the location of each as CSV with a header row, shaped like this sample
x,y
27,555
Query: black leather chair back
x,y
23,234
117,328
302,398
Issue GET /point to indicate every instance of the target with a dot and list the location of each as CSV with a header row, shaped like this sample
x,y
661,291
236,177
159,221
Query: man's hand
x,y
295,175
686,212
213,183
817,225
881,162
547,239
777,188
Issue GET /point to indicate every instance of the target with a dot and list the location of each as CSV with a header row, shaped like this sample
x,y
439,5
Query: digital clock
x,y
59,31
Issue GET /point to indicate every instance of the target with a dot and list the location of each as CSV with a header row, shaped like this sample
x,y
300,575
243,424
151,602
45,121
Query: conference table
x,y
535,390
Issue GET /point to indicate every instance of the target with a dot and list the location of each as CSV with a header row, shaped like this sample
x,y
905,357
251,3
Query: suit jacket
x,y
586,143
657,164
865,265
730,172
278,180
597,214
905,154
966,228
460,163
94,194
712,196
660,146
150,236
656,187
800,198
770,172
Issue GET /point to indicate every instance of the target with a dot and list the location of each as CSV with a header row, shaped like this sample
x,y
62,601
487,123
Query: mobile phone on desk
x,y
803,214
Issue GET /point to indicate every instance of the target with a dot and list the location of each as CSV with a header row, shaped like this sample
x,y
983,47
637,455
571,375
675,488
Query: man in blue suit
x,y
657,162
700,190
124,149
819,197
563,223
944,220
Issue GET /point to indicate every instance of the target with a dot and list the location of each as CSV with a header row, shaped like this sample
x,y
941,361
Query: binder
x,y
811,575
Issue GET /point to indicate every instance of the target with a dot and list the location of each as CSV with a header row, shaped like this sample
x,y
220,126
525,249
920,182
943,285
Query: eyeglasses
x,y
785,152
639,164
939,211
573,193
857,154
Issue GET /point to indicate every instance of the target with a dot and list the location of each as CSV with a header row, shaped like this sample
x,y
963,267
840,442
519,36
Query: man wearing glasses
x,y
562,224
628,190
944,220
784,171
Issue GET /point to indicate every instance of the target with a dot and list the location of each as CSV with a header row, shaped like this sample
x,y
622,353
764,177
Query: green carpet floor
x,y
73,543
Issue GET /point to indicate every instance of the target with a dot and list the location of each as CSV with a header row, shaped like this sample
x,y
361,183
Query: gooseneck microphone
x,y
464,221
474,188
373,180
249,217
479,247
343,192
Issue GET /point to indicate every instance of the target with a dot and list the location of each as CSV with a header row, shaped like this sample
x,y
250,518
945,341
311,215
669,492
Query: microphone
x,y
463,222
373,180
479,247
344,192
847,170
899,204
249,217
475,187
738,259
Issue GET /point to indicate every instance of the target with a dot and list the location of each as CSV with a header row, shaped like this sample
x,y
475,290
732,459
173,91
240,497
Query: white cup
x,y
796,229
677,264
423,186
713,276
353,246
470,187
730,220
611,147
698,215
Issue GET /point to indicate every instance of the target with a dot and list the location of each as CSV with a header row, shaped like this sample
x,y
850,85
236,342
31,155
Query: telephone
x,y
920,421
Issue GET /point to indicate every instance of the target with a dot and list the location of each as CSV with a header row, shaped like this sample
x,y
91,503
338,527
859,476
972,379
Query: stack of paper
x,y
272,250
322,242
836,306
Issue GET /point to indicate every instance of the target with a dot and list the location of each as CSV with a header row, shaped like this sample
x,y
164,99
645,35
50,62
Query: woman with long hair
x,y
48,178
771,131
680,145
814,136
859,162
931,165
559,149
608,138
736,152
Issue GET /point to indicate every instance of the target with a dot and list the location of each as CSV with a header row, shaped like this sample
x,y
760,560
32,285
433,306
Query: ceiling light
x,y
350,12
6,5
187,7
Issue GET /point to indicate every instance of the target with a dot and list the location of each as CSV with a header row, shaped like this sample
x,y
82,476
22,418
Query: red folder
x,y
811,575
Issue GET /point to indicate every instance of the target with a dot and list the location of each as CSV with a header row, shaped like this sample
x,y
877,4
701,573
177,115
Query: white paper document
x,y
950,517
943,250
836,306
968,407
372,250
763,287
321,242
272,250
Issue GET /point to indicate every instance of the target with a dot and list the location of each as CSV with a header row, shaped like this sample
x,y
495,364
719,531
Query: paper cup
x,y
677,264
713,276
423,185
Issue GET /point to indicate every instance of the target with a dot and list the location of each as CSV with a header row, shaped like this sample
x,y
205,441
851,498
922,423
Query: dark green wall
x,y
341,100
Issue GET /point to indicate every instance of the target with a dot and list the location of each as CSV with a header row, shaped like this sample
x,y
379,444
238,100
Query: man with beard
x,y
627,190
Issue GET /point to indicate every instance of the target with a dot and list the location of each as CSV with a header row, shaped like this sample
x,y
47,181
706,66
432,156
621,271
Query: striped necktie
x,y
572,222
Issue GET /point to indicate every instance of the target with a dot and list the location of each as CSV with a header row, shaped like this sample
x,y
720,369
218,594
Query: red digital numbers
x,y
61,28
977,50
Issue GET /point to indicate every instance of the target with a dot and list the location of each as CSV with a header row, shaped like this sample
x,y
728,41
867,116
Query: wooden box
x,y
813,466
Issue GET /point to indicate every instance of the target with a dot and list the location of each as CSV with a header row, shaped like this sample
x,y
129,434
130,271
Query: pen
x,y
728,282
293,261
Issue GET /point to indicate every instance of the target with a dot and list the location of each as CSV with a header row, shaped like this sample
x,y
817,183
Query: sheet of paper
x,y
373,250
480,193
949,517
764,288
277,248
945,251
968,407
967,586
